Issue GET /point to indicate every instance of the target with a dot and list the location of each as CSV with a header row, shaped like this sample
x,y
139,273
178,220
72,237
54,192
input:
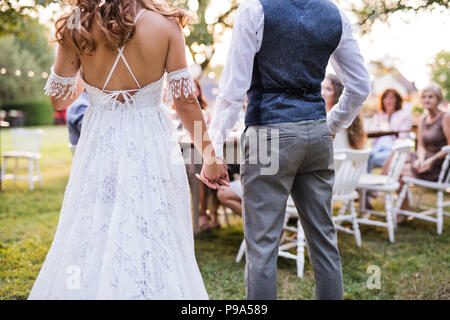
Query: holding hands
x,y
214,173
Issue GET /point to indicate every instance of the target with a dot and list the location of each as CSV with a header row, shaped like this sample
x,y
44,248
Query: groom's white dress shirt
x,y
237,75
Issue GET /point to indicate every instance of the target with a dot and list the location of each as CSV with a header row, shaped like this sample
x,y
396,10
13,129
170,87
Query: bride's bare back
x,y
146,53
157,44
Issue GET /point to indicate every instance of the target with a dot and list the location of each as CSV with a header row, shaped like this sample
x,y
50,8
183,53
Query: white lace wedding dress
x,y
125,228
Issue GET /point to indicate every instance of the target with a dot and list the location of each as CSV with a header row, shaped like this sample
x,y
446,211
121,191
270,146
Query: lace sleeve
x,y
58,87
181,83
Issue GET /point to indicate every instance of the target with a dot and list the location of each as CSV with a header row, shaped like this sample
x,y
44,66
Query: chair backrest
x,y
351,168
444,175
339,157
26,139
400,153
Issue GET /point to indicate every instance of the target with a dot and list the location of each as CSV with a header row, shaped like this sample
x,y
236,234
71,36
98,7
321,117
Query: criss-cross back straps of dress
x,y
121,56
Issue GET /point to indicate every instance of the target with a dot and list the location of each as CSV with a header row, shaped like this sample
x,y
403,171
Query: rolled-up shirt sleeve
x,y
348,64
237,74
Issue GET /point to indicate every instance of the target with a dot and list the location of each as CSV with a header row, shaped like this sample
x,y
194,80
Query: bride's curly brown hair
x,y
115,18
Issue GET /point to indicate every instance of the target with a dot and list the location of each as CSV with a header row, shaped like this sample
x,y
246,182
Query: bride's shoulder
x,y
158,23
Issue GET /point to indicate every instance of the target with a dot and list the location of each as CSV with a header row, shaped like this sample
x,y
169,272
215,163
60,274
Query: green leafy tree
x,y
204,33
15,83
33,37
370,11
25,56
440,72
12,14
206,28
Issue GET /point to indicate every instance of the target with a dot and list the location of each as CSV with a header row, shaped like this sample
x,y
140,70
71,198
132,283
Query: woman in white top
x,y
391,117
125,228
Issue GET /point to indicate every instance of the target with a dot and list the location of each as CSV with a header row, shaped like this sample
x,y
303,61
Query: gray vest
x,y
299,38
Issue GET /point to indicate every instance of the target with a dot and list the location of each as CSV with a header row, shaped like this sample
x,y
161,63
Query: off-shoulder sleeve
x,y
60,87
181,83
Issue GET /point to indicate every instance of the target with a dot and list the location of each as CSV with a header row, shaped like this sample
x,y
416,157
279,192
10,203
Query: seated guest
x,y
354,137
222,197
231,197
206,222
393,118
74,118
433,135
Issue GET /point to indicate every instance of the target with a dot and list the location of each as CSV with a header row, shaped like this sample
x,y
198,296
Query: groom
x,y
278,56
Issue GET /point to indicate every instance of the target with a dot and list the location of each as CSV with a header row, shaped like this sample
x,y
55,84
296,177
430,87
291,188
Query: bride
x,y
125,228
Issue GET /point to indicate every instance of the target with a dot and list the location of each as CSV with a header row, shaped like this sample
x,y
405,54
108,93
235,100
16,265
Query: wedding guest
x,y
74,117
433,134
198,91
332,88
391,117
231,197
206,221
354,137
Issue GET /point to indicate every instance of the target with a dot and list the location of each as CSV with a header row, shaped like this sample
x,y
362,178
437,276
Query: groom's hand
x,y
215,174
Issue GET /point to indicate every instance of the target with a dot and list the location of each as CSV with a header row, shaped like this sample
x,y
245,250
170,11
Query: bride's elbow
x,y
58,104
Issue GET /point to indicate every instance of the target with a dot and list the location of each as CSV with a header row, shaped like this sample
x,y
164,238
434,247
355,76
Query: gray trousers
x,y
304,157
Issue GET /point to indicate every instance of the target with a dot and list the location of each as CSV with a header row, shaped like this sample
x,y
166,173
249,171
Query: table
x,y
377,134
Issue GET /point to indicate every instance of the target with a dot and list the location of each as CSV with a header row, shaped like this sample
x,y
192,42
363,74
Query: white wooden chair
x,y
441,187
348,173
386,184
298,242
26,145
353,163
287,243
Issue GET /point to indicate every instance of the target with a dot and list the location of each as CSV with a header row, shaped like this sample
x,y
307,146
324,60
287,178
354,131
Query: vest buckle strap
x,y
294,91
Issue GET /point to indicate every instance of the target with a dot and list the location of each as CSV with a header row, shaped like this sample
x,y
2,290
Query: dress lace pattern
x,y
125,228
58,86
181,83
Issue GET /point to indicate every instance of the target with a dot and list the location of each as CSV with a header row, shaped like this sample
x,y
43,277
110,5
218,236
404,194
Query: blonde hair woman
x,y
433,134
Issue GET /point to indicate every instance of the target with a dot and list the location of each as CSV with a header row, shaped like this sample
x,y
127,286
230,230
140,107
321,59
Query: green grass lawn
x,y
416,266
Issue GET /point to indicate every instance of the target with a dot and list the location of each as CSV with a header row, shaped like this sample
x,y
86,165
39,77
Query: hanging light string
x,y
19,73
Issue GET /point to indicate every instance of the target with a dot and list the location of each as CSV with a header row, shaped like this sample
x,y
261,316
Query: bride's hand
x,y
214,174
